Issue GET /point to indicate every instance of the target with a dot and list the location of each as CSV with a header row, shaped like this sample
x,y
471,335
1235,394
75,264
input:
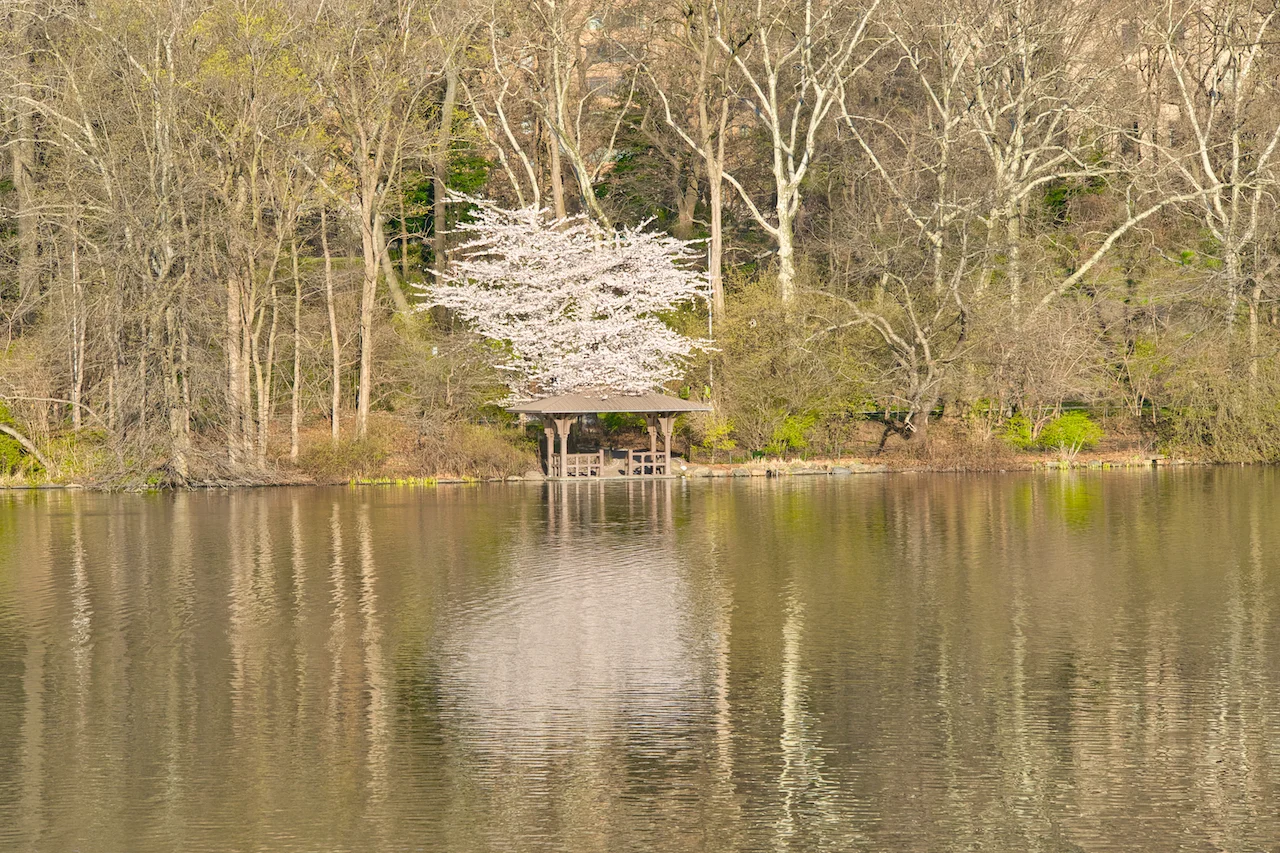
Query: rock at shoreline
x,y
841,471
741,472
700,471
534,475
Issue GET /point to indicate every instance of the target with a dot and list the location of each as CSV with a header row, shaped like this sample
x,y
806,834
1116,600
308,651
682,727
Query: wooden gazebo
x,y
558,414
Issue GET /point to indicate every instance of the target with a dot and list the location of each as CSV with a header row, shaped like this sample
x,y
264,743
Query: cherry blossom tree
x,y
575,305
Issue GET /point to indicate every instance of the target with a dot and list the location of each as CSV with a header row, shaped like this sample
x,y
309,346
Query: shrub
x,y
717,434
780,372
1018,432
326,461
1212,409
792,433
1070,433
11,457
474,450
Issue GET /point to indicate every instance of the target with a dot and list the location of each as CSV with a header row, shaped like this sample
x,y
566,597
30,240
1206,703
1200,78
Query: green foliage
x,y
468,174
14,459
713,433
791,434
718,435
468,171
1018,432
613,423
86,454
1070,433
11,456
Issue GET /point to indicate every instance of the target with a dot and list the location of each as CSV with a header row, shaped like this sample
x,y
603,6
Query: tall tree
x,y
373,71
1223,66
700,116
792,61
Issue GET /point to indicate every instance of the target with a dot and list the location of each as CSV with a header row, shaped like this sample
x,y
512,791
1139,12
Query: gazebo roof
x,y
593,401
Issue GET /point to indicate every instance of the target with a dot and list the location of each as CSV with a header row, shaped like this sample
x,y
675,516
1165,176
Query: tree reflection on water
x,y
1034,662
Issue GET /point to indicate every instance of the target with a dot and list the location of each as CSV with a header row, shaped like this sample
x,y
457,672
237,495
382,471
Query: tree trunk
x,y
686,204
144,353
23,152
368,301
1255,300
715,247
1231,261
444,142
295,414
184,365
235,394
264,374
919,434
1013,248
335,344
404,238
786,253
113,377
922,413
77,348
713,158
557,175
178,417
389,269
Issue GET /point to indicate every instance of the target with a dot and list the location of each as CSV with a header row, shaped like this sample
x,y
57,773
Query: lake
x,y
1053,661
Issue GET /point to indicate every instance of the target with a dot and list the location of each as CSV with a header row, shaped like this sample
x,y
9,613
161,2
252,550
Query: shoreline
x,y
763,468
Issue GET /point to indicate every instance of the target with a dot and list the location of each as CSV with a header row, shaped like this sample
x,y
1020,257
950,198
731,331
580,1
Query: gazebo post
x,y
551,445
652,421
563,422
667,420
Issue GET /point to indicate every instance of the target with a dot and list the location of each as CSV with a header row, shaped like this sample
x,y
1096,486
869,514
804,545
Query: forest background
x,y
931,228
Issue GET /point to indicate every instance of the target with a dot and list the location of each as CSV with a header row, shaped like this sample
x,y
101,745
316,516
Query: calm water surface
x,y
1057,662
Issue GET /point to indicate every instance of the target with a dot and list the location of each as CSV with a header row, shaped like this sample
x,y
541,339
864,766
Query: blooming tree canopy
x,y
577,306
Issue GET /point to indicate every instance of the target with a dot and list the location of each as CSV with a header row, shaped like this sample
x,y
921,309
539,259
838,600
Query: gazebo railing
x,y
604,463
578,465
647,463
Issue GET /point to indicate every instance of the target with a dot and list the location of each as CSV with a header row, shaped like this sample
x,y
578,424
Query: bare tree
x,y
792,60
373,80
1220,57
701,117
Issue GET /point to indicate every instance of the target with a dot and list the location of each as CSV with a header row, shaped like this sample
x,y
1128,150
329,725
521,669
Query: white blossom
x,y
575,306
